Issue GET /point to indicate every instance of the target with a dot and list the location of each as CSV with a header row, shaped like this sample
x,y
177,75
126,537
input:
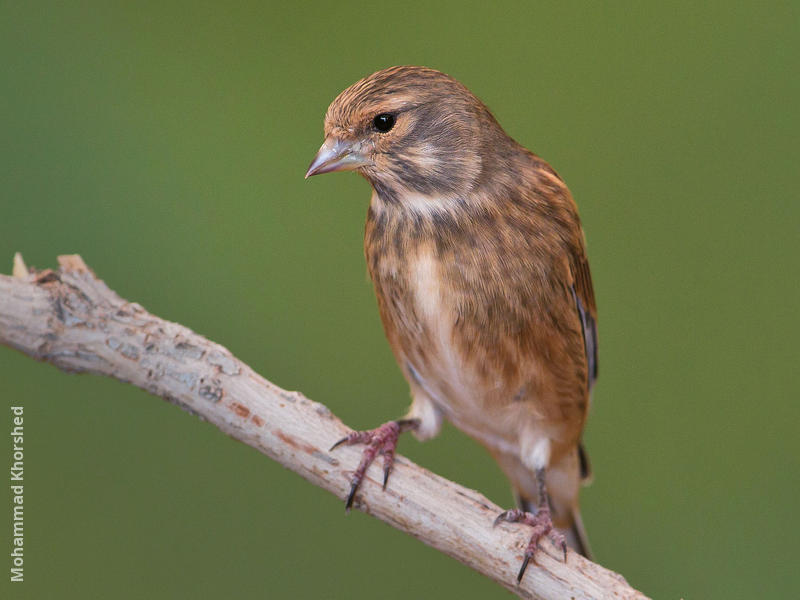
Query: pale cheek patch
x,y
426,159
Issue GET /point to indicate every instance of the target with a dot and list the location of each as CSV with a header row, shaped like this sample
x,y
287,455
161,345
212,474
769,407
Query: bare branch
x,y
72,319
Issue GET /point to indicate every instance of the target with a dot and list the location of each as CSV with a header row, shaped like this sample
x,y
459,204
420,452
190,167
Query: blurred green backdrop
x,y
166,142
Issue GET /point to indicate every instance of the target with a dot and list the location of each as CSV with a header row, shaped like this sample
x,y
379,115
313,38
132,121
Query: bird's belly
x,y
476,401
453,386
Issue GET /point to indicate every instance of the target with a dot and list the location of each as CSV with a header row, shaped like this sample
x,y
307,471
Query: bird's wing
x,y
583,295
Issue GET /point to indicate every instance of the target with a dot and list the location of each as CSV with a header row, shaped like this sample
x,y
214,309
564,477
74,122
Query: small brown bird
x,y
477,256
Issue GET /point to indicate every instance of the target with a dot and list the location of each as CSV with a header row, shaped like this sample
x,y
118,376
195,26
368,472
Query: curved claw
x,y
524,566
500,518
513,515
339,443
387,468
348,504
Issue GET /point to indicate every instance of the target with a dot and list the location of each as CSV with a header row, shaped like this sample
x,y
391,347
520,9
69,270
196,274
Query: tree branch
x,y
71,319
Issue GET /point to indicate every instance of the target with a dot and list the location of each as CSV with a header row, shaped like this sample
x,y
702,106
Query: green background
x,y
166,142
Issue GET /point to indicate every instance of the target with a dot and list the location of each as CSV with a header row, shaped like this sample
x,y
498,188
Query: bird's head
x,y
408,130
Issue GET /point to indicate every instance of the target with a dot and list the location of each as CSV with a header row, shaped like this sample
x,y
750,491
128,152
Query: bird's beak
x,y
337,155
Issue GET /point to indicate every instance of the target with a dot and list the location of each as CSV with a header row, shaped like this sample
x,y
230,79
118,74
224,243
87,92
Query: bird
x,y
478,260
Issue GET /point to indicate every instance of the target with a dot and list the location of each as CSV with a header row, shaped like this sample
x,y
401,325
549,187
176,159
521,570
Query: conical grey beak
x,y
337,155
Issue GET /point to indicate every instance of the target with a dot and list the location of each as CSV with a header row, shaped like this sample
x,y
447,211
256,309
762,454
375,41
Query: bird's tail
x,y
570,524
576,535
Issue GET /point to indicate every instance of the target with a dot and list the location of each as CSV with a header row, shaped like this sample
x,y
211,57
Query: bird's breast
x,y
421,310
428,338
478,316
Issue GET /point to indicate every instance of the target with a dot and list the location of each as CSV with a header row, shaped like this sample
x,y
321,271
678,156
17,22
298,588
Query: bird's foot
x,y
382,440
542,524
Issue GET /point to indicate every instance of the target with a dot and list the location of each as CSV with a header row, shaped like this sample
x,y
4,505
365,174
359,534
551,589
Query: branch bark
x,y
71,319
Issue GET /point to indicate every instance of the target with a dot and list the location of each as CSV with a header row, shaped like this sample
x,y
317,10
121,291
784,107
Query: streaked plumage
x,y
477,256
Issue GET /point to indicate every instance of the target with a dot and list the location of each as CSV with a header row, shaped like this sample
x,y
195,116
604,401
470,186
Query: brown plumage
x,y
477,256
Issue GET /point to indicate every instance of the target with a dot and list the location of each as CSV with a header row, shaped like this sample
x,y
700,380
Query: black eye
x,y
383,122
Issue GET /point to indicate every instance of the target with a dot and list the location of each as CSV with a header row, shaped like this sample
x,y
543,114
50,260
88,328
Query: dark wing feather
x,y
583,294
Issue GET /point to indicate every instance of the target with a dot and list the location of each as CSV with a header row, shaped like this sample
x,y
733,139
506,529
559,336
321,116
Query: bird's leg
x,y
541,522
382,440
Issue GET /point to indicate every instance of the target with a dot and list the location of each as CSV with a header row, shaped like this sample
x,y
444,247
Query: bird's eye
x,y
383,122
